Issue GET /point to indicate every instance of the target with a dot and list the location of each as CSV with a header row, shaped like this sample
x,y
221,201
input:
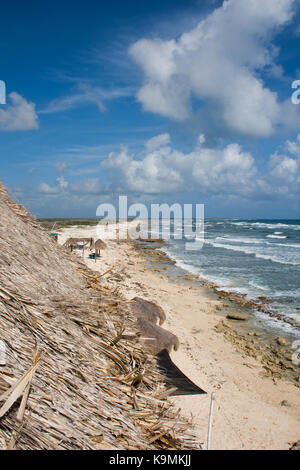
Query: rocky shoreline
x,y
274,353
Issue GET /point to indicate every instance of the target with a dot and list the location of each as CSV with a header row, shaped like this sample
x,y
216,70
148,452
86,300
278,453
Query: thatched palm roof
x,y
99,244
155,337
93,386
148,310
76,241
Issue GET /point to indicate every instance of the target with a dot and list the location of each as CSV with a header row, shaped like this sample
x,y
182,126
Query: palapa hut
x,y
75,242
70,243
98,246
75,375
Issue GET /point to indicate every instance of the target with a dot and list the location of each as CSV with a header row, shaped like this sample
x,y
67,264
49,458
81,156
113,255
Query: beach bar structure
x,y
74,243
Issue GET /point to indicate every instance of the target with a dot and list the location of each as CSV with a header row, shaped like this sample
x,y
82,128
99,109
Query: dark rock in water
x,y
236,316
264,299
295,446
282,341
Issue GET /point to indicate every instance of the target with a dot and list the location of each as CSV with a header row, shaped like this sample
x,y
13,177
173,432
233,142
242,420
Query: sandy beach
x,y
252,410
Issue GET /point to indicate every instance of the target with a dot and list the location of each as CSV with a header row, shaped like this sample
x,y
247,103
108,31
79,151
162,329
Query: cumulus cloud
x,y
18,114
157,141
161,170
164,170
228,171
294,147
61,185
201,139
85,187
283,167
220,62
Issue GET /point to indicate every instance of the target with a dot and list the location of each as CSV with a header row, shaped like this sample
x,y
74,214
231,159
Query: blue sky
x,y
173,101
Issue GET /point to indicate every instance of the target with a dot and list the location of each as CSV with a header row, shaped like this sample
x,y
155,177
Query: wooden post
x,y
210,421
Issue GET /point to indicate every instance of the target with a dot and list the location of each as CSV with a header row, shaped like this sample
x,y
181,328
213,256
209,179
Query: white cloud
x,y
229,171
157,141
294,147
85,95
283,167
220,62
61,185
60,166
165,170
160,170
89,186
18,115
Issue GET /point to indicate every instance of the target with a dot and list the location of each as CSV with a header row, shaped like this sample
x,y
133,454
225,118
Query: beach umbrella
x,y
99,245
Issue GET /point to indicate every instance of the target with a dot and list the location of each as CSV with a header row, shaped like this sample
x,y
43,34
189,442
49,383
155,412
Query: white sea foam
x,y
268,225
240,240
258,286
294,293
252,251
276,236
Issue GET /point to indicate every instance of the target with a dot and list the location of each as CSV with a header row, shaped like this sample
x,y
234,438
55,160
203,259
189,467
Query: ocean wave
x,y
294,293
249,251
189,267
258,286
276,236
242,281
287,245
277,324
241,240
268,225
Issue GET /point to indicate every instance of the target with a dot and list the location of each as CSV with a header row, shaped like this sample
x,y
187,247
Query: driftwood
x,y
149,310
94,386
